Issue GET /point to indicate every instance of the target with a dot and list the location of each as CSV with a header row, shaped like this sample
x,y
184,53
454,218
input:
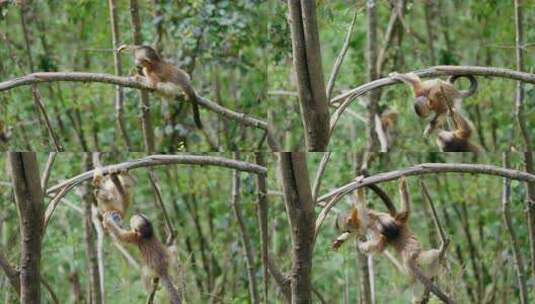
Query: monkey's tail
x,y
473,84
194,99
196,113
174,297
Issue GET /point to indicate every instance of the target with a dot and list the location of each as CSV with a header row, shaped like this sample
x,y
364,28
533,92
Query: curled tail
x,y
473,84
174,297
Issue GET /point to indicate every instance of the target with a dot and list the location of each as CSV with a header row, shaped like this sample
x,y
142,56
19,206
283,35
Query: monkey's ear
x,y
402,217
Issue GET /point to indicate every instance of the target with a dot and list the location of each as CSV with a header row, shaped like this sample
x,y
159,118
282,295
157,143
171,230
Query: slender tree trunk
x,y
144,106
363,274
373,97
517,255
301,216
246,242
119,96
262,215
89,238
29,200
310,85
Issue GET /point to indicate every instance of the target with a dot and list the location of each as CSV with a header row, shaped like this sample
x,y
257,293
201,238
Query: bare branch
x,y
157,160
428,168
47,169
319,173
341,56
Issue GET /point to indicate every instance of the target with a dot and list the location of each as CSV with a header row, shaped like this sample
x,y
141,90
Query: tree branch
x,y
131,82
427,168
156,160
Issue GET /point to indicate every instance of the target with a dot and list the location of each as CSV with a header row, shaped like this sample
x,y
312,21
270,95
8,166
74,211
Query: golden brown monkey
x,y
114,192
389,120
383,230
436,95
154,254
457,140
157,70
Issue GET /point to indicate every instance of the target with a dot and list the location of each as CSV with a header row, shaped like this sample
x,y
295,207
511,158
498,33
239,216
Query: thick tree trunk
x,y
300,209
29,200
310,85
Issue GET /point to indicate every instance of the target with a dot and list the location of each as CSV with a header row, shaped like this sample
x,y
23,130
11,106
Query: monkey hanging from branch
x,y
158,71
113,192
436,95
153,252
377,230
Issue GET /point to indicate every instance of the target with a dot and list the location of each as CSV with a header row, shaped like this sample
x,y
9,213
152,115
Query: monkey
x,y
156,70
154,254
436,95
388,121
383,230
114,192
457,140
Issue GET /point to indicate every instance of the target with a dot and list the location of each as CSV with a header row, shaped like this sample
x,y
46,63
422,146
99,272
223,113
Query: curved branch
x,y
130,82
156,160
428,168
436,71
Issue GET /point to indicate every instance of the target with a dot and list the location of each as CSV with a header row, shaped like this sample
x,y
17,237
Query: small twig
x,y
150,298
323,215
341,56
47,169
39,103
171,233
50,290
319,173
100,249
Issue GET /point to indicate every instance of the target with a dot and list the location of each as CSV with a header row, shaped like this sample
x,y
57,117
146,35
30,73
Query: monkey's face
x,y
141,225
421,106
145,56
349,222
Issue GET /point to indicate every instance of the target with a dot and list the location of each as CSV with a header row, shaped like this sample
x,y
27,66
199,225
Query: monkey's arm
x,y
409,78
373,246
340,240
463,130
123,235
404,214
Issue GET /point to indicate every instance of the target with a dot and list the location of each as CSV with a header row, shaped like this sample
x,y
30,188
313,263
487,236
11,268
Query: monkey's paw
x,y
336,244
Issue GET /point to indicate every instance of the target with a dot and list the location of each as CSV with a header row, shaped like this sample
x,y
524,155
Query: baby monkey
x,y
114,192
157,70
154,254
436,95
383,230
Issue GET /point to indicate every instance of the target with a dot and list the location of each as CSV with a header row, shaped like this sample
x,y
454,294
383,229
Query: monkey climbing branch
x,y
125,82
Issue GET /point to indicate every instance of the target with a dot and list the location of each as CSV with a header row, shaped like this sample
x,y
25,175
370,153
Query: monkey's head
x,y
421,106
142,226
349,222
145,56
